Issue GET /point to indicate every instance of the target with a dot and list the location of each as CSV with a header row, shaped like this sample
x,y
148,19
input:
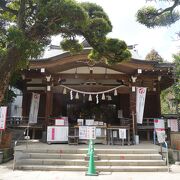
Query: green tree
x,y
176,86
152,17
26,27
168,104
153,55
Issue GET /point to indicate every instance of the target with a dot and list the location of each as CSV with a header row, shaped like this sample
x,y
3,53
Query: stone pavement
x,y
6,173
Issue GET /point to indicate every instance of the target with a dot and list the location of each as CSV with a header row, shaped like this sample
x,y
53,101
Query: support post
x,y
48,107
133,110
1,136
134,131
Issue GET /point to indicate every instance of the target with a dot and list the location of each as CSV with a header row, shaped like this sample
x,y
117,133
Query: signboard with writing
x,y
98,132
91,132
87,132
89,122
80,122
59,122
3,113
161,136
122,133
159,124
82,132
173,124
57,133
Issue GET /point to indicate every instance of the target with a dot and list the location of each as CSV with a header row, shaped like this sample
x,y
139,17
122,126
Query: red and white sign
x,y
33,114
140,103
161,136
57,134
3,114
159,124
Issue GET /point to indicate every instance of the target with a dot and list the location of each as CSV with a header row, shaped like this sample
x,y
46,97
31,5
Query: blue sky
x,y
122,15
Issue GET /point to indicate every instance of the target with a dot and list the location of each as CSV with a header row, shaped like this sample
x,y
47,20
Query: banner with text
x,y
140,103
33,114
3,113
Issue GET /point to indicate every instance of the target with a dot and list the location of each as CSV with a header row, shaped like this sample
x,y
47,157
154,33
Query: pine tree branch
x,y
170,9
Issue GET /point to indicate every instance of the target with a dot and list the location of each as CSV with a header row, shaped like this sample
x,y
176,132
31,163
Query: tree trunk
x,y
7,66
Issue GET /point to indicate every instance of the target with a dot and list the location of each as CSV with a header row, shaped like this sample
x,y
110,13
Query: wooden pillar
x,y
159,99
133,110
132,102
33,133
24,104
48,107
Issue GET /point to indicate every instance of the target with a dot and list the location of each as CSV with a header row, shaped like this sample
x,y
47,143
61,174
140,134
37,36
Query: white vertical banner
x,y
33,114
3,114
140,103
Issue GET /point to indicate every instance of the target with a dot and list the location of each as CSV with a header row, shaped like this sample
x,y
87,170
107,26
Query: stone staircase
x,y
106,160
